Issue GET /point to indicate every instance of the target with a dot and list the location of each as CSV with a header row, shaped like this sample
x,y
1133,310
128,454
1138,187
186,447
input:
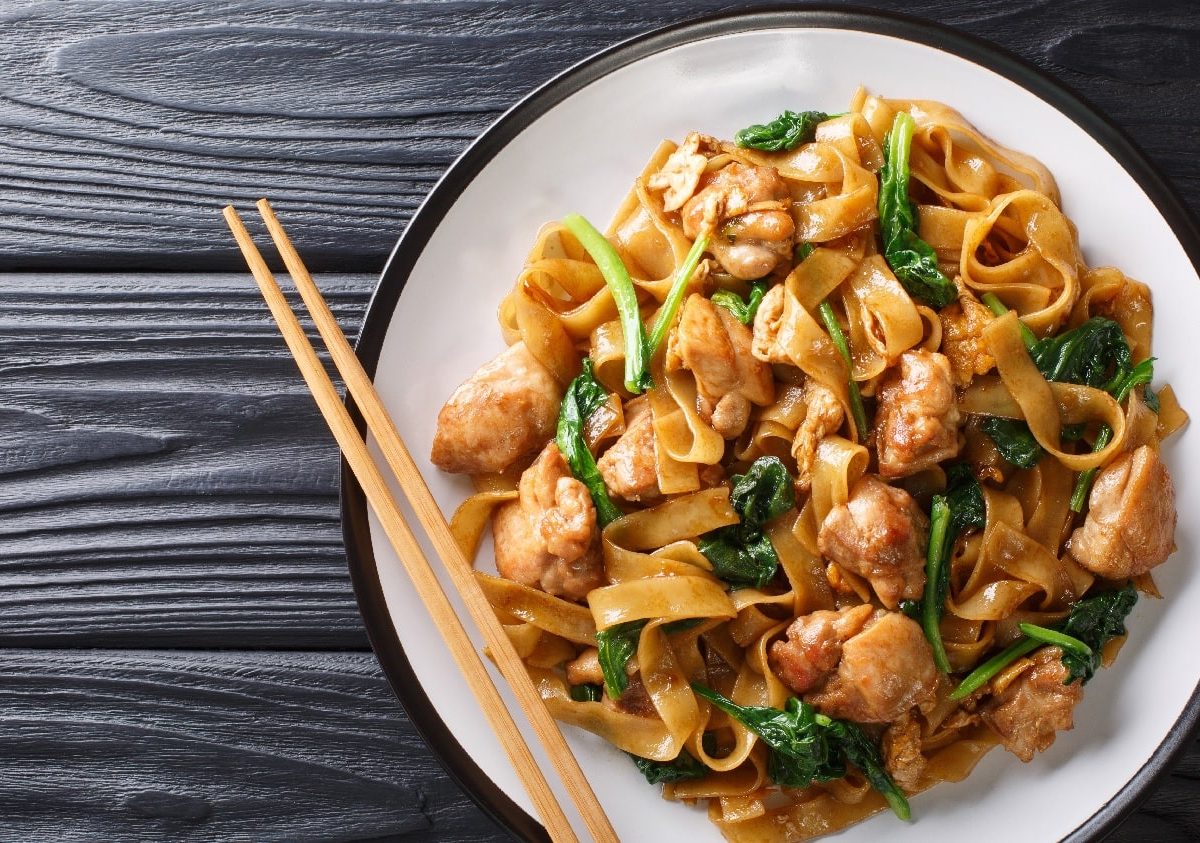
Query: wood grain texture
x,y
104,745
128,121
165,479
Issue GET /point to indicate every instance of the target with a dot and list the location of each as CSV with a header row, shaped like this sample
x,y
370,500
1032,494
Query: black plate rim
x,y
360,557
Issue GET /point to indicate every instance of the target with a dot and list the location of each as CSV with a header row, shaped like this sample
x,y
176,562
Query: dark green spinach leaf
x,y
1014,440
685,766
1094,621
742,554
787,131
912,259
806,746
584,395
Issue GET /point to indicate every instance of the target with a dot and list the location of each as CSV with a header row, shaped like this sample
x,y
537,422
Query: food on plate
x,y
829,466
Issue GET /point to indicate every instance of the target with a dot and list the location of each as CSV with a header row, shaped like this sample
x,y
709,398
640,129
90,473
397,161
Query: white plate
x,y
575,145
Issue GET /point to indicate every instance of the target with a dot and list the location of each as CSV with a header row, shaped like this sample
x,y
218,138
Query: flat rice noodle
x,y
560,617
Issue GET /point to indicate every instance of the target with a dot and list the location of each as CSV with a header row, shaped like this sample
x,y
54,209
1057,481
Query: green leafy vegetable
x,y
1090,625
965,496
670,305
959,510
683,767
743,311
742,554
808,747
787,131
803,251
616,646
616,276
1094,622
1095,354
585,693
911,258
738,561
1014,440
584,395
839,340
764,492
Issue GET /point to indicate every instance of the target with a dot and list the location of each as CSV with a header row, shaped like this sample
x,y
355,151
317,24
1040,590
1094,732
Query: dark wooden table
x,y
180,653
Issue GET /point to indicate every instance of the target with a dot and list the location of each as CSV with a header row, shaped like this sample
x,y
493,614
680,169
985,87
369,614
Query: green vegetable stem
x,y
843,347
1092,623
912,259
960,510
670,305
616,276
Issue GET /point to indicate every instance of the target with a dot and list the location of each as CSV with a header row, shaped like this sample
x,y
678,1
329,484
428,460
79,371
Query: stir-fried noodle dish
x,y
829,466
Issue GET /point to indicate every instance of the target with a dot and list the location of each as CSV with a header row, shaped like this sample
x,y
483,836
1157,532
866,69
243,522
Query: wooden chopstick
x,y
430,516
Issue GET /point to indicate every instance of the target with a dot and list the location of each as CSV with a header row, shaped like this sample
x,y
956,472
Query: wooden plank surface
x,y
127,121
166,485
108,745
166,478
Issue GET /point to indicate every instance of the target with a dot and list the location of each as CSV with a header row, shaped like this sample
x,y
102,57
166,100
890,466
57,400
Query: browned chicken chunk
x,y
680,174
814,646
748,210
881,534
917,420
862,664
1035,706
901,749
962,338
715,346
500,417
585,668
630,467
823,416
548,537
1130,524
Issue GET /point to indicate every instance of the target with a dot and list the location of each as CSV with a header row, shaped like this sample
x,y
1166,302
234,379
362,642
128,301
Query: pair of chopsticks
x,y
371,478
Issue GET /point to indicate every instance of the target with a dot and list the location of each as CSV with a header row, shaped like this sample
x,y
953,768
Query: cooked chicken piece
x,y
768,327
500,417
917,418
862,664
885,670
548,538
901,747
880,534
584,669
680,174
630,467
715,346
962,338
1130,524
814,645
1034,706
823,416
747,208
